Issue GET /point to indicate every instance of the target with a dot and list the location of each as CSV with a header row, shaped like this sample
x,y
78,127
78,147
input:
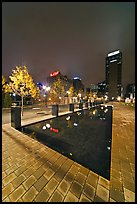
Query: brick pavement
x,y
33,172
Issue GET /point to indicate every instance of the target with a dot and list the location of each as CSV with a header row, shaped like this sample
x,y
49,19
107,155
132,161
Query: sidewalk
x,y
32,172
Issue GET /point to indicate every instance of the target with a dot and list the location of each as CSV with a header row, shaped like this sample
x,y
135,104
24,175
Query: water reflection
x,y
84,136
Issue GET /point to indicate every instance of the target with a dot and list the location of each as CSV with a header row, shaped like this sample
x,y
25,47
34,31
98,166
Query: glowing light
x,y
39,83
44,127
118,98
108,148
76,78
54,130
75,124
44,87
78,113
68,92
68,118
94,95
106,97
106,110
113,53
54,74
79,94
127,100
47,88
94,112
48,125
113,60
70,154
102,118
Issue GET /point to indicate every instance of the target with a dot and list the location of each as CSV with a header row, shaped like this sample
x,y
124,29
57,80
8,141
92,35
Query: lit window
x,y
113,53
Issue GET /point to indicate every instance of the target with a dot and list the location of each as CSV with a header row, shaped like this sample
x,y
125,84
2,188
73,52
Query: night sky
x,y
74,38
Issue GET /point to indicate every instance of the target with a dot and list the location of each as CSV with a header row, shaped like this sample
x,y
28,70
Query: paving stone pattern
x,y
32,172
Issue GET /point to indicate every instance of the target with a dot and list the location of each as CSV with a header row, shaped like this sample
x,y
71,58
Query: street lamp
x,y
22,86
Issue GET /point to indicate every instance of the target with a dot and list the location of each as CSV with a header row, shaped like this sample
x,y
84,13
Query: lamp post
x,y
22,85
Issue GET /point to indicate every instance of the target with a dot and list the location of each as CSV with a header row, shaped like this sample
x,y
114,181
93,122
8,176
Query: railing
x,y
54,110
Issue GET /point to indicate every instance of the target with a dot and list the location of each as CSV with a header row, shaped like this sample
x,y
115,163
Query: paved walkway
x,y
33,172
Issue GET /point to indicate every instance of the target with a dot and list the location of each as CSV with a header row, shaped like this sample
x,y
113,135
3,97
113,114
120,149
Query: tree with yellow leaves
x,y
6,96
22,83
71,93
3,82
57,90
5,86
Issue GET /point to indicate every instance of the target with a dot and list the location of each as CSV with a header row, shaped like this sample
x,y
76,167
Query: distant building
x,y
101,89
88,90
114,74
54,76
94,89
78,85
130,91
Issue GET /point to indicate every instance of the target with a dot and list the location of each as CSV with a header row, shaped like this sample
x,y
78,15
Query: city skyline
x,y
73,38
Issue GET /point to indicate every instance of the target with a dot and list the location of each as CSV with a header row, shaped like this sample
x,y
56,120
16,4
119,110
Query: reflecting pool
x,y
84,136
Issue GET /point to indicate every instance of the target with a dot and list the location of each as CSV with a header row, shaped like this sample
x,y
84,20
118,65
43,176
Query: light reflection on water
x,y
84,136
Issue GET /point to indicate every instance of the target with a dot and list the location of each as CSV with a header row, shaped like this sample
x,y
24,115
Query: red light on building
x,y
54,74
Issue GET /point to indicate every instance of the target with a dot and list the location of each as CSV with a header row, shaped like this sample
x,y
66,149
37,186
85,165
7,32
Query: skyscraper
x,y
113,74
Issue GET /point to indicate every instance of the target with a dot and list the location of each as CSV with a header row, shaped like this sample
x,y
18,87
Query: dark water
x,y
84,136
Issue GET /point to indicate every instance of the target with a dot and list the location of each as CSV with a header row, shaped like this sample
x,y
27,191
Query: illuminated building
x,y
54,76
113,74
